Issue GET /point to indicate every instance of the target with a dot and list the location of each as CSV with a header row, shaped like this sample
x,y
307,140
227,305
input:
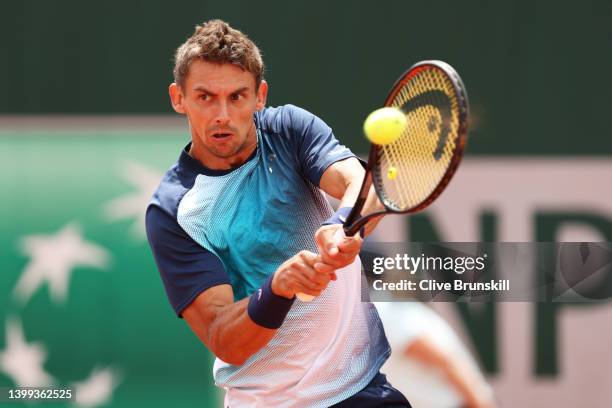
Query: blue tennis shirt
x,y
210,227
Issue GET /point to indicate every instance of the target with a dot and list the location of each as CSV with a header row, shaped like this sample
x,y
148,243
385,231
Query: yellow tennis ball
x,y
391,173
384,125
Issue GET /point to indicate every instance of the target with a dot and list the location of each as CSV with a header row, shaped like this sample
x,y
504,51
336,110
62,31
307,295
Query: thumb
x,y
332,248
351,244
337,239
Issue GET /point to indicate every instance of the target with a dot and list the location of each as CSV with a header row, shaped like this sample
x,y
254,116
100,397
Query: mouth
x,y
221,135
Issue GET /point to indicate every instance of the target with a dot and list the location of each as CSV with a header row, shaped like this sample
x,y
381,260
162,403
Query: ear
x,y
262,95
176,98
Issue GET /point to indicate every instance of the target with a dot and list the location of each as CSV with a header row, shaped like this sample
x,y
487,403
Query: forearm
x,y
350,193
458,373
372,203
464,382
233,336
343,181
225,326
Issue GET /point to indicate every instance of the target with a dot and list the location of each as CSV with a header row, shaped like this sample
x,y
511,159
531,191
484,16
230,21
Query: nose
x,y
222,117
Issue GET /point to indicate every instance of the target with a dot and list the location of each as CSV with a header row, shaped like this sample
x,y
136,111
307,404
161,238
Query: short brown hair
x,y
216,41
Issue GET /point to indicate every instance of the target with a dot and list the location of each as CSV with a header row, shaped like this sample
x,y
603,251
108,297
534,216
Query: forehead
x,y
218,78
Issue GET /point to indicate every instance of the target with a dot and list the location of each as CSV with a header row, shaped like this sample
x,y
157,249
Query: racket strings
x,y
393,158
419,158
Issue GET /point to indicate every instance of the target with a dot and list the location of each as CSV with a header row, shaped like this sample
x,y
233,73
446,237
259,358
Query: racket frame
x,y
354,222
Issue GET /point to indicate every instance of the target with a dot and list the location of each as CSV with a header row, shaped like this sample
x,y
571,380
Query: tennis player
x,y
239,226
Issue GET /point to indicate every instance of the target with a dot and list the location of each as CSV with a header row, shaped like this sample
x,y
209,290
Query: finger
x,y
351,244
304,284
327,238
343,259
337,238
310,277
333,262
314,293
321,267
308,258
329,248
306,254
326,269
312,286
321,280
321,237
304,297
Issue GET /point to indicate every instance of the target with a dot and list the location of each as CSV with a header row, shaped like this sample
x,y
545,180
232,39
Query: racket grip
x,y
358,227
304,297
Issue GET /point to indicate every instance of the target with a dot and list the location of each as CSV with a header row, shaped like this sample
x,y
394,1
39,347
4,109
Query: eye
x,y
204,97
236,96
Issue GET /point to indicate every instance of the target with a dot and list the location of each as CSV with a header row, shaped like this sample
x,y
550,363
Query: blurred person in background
x,y
429,363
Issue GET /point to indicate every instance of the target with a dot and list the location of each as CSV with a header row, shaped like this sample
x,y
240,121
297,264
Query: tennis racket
x,y
411,172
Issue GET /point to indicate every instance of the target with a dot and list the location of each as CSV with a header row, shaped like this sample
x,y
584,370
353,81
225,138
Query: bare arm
x,y
475,393
225,326
342,180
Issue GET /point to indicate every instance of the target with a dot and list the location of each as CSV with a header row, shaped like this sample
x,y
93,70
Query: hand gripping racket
x,y
411,172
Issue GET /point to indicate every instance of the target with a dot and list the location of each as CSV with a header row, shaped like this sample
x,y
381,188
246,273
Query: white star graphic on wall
x,y
133,205
21,361
53,258
98,388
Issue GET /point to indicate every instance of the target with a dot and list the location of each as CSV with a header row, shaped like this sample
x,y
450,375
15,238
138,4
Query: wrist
x,y
339,217
276,289
266,308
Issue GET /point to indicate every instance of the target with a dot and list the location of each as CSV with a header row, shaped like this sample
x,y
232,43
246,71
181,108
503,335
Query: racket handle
x,y
352,230
304,297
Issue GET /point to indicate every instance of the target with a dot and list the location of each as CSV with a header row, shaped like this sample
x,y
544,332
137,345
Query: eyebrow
x,y
202,89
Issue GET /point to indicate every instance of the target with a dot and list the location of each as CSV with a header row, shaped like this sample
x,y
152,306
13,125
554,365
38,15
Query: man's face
x,y
219,101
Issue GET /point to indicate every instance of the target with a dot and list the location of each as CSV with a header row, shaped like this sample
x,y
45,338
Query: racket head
x,y
410,173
